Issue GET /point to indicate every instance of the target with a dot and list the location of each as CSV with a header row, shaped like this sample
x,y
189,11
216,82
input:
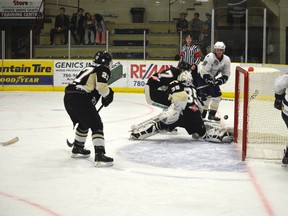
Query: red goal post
x,y
258,126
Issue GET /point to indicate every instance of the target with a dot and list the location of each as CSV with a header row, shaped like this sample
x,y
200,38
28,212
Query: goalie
x,y
172,89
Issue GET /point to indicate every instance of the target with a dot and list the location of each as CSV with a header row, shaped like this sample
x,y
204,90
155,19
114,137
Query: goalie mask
x,y
185,77
103,58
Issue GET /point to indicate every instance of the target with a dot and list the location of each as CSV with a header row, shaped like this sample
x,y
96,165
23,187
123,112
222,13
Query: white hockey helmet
x,y
219,45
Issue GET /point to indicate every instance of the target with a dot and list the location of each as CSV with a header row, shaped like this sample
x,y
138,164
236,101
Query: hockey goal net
x,y
258,126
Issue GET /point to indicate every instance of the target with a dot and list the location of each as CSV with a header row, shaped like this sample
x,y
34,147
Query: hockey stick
x,y
100,108
69,143
9,142
201,87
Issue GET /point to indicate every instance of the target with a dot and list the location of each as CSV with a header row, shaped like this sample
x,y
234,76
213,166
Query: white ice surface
x,y
165,175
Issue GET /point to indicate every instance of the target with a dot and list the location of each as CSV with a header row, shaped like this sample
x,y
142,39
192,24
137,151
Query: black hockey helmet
x,y
184,65
103,58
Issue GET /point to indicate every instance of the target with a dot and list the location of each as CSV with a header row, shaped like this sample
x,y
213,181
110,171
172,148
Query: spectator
x,y
196,26
100,30
89,25
61,26
77,26
205,38
93,28
208,20
182,25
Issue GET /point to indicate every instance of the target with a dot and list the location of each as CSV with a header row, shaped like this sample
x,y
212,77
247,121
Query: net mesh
x,y
266,133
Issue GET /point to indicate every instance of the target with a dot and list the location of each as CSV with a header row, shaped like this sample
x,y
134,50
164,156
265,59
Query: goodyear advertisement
x,y
26,72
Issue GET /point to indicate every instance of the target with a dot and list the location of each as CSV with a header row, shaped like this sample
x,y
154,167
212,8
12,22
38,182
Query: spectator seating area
x,y
125,41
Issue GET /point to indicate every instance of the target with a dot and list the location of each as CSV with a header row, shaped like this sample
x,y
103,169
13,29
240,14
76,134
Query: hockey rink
x,y
165,175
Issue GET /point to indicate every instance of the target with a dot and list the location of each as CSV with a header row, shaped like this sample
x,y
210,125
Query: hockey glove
x,y
202,96
278,101
95,97
221,80
208,80
108,99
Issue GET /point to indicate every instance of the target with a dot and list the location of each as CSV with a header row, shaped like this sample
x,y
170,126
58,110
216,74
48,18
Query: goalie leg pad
x,y
139,126
169,116
146,131
179,99
218,135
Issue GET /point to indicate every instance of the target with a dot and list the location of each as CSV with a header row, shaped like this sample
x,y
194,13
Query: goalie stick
x,y
9,142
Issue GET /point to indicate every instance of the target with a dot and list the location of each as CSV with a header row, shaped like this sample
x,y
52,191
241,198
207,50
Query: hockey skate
x,y
196,136
285,158
100,159
213,118
79,151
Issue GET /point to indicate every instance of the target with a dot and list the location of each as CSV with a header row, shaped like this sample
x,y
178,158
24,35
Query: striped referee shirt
x,y
191,54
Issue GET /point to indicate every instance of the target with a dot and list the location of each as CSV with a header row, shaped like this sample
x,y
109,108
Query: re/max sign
x,y
145,71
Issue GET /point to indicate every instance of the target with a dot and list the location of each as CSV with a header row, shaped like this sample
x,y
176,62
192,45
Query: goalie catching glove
x,y
108,99
278,101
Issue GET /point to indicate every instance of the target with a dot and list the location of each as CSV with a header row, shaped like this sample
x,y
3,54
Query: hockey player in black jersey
x,y
80,99
172,89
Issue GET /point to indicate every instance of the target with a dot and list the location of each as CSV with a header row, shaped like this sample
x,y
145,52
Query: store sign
x,y
237,8
21,9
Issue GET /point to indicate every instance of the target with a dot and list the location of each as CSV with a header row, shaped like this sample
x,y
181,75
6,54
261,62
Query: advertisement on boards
x,y
65,71
28,72
139,72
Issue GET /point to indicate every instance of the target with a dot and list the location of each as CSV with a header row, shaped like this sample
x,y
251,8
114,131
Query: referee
x,y
191,54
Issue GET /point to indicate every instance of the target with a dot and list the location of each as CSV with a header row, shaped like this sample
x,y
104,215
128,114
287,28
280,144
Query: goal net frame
x,y
253,105
245,108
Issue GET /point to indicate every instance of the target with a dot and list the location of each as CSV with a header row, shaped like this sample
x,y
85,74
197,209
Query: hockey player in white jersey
x,y
215,71
281,103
